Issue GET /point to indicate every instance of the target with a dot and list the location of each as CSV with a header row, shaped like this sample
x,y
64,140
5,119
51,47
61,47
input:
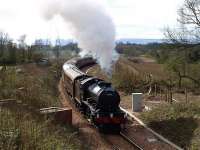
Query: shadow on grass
x,y
179,131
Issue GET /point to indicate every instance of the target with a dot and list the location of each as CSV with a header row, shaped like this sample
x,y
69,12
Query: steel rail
x,y
152,131
115,148
131,141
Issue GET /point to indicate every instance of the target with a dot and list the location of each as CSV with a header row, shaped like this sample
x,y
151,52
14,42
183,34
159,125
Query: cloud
x,y
143,17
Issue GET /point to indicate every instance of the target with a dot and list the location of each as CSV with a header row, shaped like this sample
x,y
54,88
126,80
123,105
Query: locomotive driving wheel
x,y
90,116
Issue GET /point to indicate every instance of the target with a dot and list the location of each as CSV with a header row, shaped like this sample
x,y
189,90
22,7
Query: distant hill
x,y
63,42
139,41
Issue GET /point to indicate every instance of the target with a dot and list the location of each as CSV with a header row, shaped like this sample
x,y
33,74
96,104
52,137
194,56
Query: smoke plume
x,y
91,26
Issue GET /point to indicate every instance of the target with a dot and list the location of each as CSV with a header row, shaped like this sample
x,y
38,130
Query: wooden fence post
x,y
171,101
186,95
160,95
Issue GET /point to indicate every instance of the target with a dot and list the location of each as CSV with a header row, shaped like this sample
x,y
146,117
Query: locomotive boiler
x,y
95,98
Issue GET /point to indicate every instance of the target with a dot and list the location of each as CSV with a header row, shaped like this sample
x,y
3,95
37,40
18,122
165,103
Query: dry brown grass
x,y
157,70
22,127
179,123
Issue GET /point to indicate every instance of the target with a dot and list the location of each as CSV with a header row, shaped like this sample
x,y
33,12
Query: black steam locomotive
x,y
94,97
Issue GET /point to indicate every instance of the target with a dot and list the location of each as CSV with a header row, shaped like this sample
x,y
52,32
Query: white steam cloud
x,y
91,26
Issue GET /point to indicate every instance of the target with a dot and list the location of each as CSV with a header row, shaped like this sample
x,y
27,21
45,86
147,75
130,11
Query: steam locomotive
x,y
95,98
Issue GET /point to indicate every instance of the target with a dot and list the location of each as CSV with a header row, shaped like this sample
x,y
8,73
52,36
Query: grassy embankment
x,y
21,126
179,122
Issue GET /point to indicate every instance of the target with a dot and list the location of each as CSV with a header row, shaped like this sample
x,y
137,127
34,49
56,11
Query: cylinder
x,y
137,102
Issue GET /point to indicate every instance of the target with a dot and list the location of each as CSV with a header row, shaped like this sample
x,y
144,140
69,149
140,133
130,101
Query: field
x,y
21,126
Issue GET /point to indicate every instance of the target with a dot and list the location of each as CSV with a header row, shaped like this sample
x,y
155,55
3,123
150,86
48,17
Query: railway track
x,y
122,142
130,141
116,148
121,136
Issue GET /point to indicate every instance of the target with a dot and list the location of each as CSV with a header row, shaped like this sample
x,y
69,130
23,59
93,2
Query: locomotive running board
x,y
86,103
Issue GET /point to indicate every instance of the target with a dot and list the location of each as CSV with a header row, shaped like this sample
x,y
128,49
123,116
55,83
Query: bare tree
x,y
186,37
189,24
189,13
4,40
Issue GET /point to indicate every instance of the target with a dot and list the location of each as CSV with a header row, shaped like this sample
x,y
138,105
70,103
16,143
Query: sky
x,y
133,19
